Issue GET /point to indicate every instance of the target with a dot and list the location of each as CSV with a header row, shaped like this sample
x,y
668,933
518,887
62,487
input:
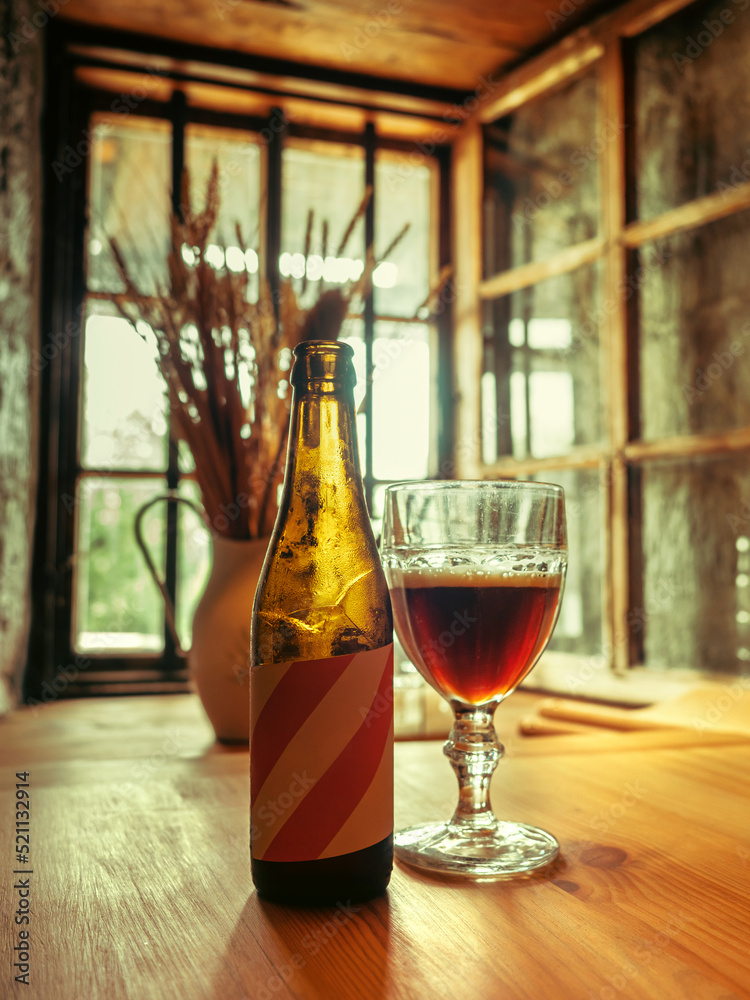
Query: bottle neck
x,y
323,456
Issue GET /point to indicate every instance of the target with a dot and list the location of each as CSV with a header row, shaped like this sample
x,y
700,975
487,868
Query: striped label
x,y
321,756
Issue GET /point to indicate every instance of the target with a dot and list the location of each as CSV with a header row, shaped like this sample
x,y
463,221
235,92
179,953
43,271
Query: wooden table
x,y
141,886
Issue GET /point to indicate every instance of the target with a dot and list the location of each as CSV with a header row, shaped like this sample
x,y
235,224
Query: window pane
x,y
354,335
193,561
541,176
404,190
328,178
124,409
692,105
117,605
695,332
130,186
401,401
696,552
541,391
579,627
238,160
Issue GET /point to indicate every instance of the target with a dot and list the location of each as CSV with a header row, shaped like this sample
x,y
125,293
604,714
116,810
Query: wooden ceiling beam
x,y
422,97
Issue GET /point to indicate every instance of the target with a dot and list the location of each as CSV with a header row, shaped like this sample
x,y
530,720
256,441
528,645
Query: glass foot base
x,y
501,851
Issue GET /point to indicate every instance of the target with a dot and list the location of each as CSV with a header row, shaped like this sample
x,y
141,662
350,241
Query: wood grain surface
x,y
703,708
141,886
443,43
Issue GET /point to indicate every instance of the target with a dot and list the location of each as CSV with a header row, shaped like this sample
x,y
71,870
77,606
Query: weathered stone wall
x,y
20,240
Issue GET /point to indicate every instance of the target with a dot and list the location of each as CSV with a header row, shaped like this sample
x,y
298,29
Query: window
x,y
615,332
126,455
330,179
116,448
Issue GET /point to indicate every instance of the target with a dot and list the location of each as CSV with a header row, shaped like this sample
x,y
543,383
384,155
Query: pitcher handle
x,y
174,497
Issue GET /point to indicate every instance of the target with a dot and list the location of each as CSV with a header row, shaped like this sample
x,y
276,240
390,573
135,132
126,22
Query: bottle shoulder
x,y
309,609
322,591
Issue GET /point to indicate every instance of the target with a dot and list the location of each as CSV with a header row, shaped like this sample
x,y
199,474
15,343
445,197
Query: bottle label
x,y
321,756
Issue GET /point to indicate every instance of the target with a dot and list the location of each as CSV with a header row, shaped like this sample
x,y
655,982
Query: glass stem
x,y
474,750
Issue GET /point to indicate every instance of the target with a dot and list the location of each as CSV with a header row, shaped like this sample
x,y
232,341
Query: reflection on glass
x,y
117,605
402,283
541,187
692,77
695,608
129,183
124,423
695,330
541,368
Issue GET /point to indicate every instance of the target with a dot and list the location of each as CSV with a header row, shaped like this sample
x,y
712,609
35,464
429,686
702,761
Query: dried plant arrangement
x,y
225,360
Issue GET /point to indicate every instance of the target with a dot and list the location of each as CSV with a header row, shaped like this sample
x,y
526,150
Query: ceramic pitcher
x,y
218,659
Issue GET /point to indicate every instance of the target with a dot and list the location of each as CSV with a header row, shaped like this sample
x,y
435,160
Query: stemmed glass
x,y
476,571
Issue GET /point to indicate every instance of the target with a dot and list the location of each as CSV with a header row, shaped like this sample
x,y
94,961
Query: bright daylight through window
x,y
125,421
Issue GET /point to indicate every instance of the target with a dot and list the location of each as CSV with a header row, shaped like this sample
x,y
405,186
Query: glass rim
x,y
436,485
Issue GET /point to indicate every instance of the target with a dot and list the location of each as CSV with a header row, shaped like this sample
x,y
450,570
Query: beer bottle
x,y
321,702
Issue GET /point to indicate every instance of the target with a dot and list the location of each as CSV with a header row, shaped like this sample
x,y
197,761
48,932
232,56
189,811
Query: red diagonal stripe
x,y
328,805
291,703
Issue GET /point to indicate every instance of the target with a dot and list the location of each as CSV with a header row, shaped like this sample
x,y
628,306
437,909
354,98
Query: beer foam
x,y
470,576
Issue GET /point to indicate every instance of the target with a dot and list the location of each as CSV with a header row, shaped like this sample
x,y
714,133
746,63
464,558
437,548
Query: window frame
x,y
54,668
605,48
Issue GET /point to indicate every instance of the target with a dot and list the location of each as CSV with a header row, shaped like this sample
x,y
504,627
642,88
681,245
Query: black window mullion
x,y
369,310
71,291
62,254
178,114
442,401
274,165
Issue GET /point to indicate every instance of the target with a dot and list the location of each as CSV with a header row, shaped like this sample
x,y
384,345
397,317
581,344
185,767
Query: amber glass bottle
x,y
321,756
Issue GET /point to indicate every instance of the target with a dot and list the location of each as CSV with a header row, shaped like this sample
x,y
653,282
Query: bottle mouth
x,y
323,361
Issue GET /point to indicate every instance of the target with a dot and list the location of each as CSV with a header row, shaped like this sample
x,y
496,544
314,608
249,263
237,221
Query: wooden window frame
x,y
600,47
55,669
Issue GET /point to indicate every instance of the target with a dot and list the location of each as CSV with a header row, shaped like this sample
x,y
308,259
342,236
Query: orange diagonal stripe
x,y
316,746
300,689
329,804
